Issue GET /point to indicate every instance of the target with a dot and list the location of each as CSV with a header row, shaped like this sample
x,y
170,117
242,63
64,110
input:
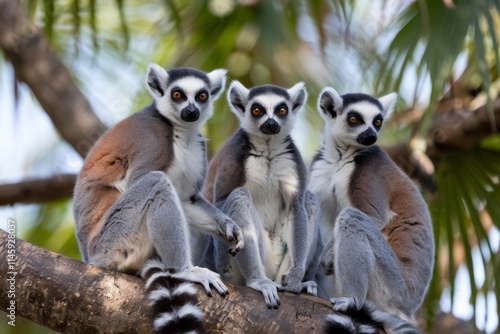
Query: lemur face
x,y
354,119
266,110
185,95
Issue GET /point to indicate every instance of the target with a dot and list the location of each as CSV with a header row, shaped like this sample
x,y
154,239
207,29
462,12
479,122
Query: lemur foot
x,y
310,287
292,282
204,277
344,304
269,289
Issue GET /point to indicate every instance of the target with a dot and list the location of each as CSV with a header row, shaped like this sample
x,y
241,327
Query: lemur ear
x,y
217,82
329,103
237,96
388,103
156,80
298,95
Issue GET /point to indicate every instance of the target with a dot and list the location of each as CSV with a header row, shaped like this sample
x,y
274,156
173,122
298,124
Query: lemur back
x,y
259,179
375,223
137,197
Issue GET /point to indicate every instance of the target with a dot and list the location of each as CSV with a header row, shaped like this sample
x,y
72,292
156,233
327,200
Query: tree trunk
x,y
70,296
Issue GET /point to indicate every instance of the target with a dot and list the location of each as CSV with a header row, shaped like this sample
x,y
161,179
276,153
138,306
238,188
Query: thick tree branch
x,y
38,190
70,296
453,129
37,65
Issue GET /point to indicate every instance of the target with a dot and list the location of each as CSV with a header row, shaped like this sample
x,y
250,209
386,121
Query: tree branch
x,y
70,296
38,190
37,65
453,129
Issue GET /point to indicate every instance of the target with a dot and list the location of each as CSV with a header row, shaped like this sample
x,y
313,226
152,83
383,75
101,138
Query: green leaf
x,y
123,23
75,11
48,18
93,23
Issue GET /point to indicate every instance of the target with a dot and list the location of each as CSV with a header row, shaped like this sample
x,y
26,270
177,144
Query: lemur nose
x,y
270,127
191,109
190,113
367,137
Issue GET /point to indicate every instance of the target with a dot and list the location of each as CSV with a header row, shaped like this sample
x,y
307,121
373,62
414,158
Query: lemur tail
x,y
367,320
174,301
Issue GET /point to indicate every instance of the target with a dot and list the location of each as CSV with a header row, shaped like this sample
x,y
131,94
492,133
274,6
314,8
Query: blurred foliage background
x,y
441,56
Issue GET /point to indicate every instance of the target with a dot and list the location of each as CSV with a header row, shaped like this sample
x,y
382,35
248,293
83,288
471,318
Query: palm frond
x,y
468,184
442,32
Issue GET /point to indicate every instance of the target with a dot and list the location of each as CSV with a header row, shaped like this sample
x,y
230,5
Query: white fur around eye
x,y
269,102
190,86
367,110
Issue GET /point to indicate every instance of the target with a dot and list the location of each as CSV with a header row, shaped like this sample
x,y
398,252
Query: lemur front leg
x,y
298,239
240,208
204,217
147,219
365,264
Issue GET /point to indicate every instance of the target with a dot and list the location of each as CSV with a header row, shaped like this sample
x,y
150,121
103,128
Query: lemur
x,y
138,195
259,179
375,225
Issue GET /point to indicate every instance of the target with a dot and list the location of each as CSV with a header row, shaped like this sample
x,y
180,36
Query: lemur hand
x,y
233,235
327,257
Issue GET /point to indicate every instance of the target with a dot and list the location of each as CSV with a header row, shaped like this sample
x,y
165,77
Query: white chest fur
x,y
187,168
329,181
272,179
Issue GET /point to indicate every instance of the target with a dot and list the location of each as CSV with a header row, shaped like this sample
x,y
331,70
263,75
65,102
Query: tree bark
x,y
38,190
70,296
454,128
37,65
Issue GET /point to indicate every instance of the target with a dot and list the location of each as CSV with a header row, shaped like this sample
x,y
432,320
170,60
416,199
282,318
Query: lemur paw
x,y
234,236
204,277
292,282
327,258
269,289
328,266
344,304
310,287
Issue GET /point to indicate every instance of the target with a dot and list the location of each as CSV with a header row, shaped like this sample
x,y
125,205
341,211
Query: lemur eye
x,y
203,96
282,111
353,119
377,122
176,95
256,111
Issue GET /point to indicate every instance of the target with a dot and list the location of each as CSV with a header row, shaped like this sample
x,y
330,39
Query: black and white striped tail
x,y
367,320
174,301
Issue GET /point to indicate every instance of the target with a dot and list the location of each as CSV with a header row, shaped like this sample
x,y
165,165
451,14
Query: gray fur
x,y
259,180
375,224
138,194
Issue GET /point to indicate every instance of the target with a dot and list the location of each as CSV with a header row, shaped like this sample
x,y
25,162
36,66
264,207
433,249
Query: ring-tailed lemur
x,y
259,179
138,194
375,224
